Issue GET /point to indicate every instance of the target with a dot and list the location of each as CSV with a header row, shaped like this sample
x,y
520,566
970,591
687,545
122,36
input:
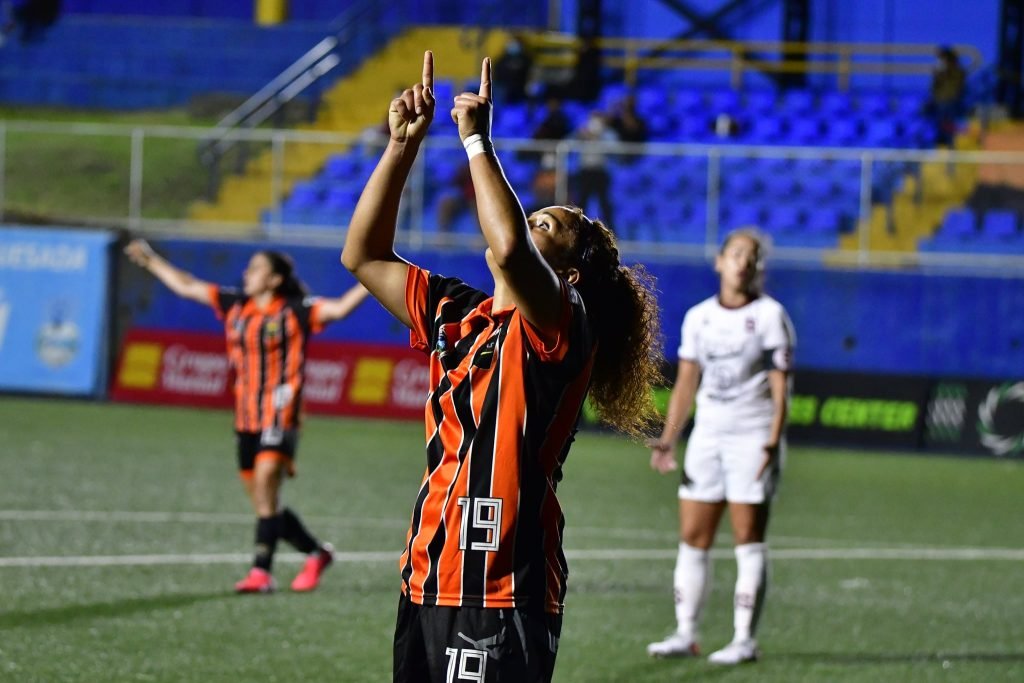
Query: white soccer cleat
x,y
676,645
736,652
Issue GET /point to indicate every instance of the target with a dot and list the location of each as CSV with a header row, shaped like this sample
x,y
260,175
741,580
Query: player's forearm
x,y
679,405
178,281
501,216
778,421
780,402
371,233
340,307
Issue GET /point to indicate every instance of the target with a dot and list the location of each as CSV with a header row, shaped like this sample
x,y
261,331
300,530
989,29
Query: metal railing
x,y
357,24
144,150
844,61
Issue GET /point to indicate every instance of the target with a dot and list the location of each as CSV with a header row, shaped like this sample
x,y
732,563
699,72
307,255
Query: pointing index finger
x,y
485,79
428,69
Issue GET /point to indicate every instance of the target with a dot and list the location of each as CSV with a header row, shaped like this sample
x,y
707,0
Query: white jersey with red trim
x,y
735,348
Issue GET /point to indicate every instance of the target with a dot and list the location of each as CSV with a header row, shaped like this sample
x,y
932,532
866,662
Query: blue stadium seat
x,y
781,218
823,221
798,102
766,129
843,131
695,127
874,104
958,225
688,102
836,104
999,225
805,130
779,186
740,184
761,102
724,102
741,215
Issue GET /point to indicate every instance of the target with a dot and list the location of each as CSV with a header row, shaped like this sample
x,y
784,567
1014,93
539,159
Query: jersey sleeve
x,y
425,294
778,339
572,332
223,298
307,310
688,338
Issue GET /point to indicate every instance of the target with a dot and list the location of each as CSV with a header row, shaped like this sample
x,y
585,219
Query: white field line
x,y
246,519
611,554
171,517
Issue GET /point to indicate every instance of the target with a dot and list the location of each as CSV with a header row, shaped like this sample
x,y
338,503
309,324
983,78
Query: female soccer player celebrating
x,y
735,357
483,572
267,326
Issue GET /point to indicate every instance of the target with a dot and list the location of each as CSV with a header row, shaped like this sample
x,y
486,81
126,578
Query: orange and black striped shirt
x,y
506,398
267,350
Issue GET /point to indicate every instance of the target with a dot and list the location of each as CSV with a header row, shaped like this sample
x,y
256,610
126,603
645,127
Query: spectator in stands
x,y
267,325
946,101
627,122
735,358
556,124
587,81
31,18
592,179
483,572
513,73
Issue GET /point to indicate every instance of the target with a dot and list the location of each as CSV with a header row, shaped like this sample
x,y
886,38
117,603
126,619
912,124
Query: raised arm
x,y
533,283
180,282
369,251
340,307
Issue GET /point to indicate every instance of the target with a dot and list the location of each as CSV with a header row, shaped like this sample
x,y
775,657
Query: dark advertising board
x,y
971,416
858,410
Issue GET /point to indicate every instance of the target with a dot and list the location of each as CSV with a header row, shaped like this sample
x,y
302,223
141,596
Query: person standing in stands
x,y
267,325
483,571
593,179
945,103
627,122
735,357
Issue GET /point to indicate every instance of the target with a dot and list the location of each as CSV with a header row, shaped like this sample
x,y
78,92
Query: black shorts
x,y
474,644
251,444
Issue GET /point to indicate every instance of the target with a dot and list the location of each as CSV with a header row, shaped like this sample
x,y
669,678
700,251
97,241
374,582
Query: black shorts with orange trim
x,y
484,644
252,445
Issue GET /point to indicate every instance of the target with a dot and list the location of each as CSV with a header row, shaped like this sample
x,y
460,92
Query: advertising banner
x,y
342,378
971,416
53,310
859,410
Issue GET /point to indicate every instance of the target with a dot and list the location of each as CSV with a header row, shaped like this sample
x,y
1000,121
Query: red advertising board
x,y
342,378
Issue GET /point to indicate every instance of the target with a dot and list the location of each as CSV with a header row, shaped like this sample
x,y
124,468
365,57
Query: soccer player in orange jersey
x,y
735,359
483,572
267,325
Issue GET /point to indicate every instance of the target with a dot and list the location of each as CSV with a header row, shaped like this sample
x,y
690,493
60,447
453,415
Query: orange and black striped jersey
x,y
505,402
267,350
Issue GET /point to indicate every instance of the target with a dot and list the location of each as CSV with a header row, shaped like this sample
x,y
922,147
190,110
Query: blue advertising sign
x,y
53,310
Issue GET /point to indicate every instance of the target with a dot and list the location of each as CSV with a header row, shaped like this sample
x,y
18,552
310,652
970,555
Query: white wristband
x,y
477,144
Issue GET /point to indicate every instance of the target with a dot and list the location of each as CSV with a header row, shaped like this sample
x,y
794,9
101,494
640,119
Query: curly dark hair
x,y
623,311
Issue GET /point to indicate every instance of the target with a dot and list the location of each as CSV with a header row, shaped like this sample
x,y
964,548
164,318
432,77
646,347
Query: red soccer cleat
x,y
256,581
309,577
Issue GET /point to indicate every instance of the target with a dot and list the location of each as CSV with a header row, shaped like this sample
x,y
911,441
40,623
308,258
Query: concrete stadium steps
x,y
353,105
917,208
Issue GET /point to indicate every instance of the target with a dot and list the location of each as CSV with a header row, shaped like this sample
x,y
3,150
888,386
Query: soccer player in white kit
x,y
735,358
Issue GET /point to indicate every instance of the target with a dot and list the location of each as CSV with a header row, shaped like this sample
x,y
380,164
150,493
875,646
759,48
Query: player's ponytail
x,y
623,311
281,264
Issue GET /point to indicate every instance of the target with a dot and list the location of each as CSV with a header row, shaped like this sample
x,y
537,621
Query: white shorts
x,y
723,466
